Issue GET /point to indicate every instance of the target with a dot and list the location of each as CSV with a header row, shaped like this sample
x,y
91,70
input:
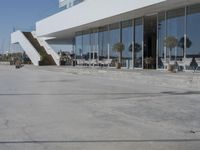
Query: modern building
x,y
68,3
154,32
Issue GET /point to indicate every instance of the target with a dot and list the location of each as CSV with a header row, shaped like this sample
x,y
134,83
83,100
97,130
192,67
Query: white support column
x,y
133,45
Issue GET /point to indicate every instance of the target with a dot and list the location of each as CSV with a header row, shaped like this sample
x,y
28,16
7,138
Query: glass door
x,y
94,53
150,41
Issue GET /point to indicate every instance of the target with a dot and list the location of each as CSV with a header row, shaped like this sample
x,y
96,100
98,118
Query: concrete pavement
x,y
48,108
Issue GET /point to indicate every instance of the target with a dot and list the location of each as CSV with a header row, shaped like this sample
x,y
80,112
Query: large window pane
x,y
94,44
127,38
161,39
103,42
175,30
86,45
78,46
138,40
193,31
114,38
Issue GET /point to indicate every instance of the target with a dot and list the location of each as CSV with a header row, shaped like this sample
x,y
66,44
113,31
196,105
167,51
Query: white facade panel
x,y
18,37
87,12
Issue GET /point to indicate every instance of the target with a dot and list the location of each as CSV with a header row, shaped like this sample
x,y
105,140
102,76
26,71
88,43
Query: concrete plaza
x,y
54,108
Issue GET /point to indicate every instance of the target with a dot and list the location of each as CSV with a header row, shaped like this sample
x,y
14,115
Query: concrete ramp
x,y
37,49
32,53
48,48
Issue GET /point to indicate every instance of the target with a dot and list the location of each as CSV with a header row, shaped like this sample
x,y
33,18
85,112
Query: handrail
x,y
48,49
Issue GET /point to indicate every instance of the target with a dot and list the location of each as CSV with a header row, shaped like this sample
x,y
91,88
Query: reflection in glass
x,y
103,43
94,44
175,28
79,46
86,45
138,43
161,38
114,38
127,38
193,31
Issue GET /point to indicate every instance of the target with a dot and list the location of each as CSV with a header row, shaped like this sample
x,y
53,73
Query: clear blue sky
x,y
22,14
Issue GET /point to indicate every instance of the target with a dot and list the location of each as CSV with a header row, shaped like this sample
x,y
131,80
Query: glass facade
x,y
161,39
176,28
193,32
114,38
138,43
94,44
86,45
127,40
79,46
177,39
182,27
103,42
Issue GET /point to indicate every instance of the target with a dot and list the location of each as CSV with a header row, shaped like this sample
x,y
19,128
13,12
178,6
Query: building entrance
x,y
150,41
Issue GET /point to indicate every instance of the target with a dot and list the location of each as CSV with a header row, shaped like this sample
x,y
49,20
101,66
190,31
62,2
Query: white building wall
x,y
87,12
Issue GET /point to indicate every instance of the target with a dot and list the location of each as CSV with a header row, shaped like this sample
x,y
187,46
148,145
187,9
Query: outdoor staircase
x,y
46,59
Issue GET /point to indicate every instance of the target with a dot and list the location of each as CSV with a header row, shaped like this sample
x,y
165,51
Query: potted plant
x,y
170,42
119,47
181,43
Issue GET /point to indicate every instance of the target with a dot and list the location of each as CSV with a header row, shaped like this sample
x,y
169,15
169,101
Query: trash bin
x,y
74,63
170,68
62,63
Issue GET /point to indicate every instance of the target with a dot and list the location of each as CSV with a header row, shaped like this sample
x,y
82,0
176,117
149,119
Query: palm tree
x,y
181,43
119,47
137,47
171,42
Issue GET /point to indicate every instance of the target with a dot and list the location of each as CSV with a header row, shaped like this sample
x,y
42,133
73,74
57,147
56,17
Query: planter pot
x,y
118,65
170,68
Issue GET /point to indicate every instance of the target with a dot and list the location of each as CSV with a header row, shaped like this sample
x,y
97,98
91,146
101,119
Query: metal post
x,y
133,45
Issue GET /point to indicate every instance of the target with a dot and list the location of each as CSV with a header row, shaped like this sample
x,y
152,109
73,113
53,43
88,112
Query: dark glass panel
x,y
161,39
